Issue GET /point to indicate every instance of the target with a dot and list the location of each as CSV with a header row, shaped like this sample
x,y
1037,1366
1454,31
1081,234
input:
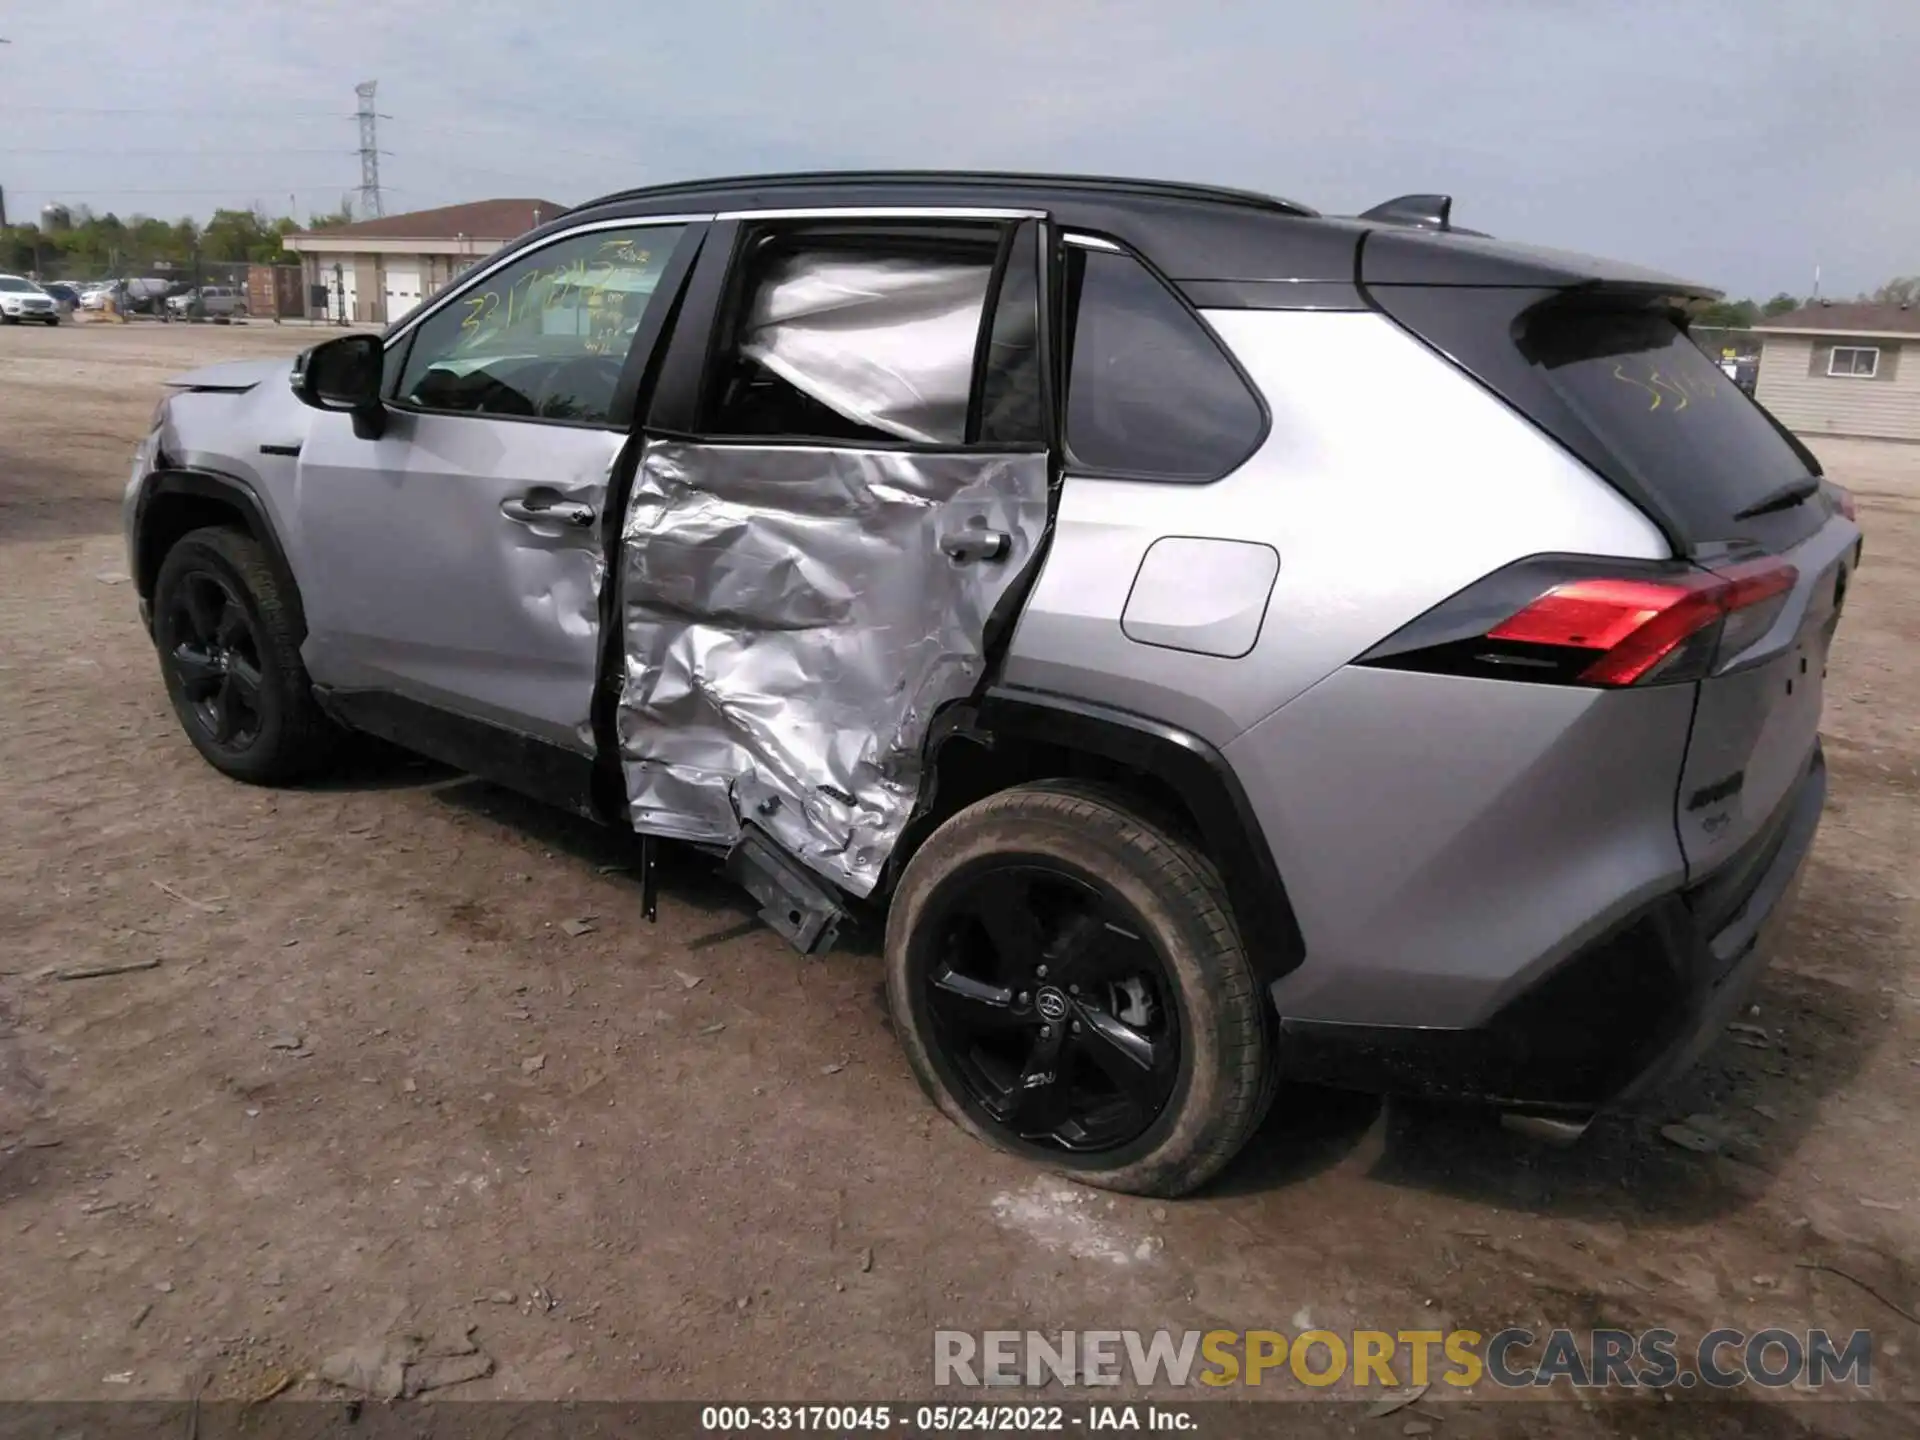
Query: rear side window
x,y
1150,393
873,336
1689,434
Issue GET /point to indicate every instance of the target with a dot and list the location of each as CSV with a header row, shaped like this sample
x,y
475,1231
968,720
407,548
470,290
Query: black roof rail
x,y
985,179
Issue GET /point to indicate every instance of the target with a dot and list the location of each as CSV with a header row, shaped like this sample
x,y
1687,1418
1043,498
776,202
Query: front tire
x,y
1069,986
230,655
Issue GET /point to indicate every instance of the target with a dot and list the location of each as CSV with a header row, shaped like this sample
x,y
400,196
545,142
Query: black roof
x,y
1189,231
958,180
1198,235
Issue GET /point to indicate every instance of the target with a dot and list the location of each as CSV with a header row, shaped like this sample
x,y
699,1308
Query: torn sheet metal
x,y
792,623
885,342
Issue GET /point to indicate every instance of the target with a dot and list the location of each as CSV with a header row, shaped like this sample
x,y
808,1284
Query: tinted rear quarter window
x,y
1150,392
1010,400
1691,435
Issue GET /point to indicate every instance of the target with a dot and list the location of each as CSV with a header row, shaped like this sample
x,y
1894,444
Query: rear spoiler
x,y
1417,243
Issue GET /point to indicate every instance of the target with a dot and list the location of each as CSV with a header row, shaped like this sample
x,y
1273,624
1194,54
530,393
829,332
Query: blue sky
x,y
1740,141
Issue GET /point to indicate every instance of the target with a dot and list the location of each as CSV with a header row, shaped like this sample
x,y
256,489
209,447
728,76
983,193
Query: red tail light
x,y
1584,620
1634,627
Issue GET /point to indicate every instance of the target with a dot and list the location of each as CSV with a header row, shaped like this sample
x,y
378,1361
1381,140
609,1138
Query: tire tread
x,y
307,739
1190,885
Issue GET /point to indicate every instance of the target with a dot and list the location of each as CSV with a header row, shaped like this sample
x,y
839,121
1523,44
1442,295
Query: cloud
x,y
1736,140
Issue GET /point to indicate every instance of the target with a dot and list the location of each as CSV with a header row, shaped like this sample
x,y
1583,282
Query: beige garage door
x,y
403,290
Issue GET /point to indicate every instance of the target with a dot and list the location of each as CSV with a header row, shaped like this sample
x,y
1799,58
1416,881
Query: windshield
x,y
15,285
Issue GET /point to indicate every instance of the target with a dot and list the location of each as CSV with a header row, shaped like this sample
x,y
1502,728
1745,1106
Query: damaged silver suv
x,y
1227,644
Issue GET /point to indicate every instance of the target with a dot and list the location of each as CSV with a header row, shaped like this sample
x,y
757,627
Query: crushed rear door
x,y
811,569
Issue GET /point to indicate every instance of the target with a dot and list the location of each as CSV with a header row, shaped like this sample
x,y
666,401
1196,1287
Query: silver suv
x,y
210,300
1224,644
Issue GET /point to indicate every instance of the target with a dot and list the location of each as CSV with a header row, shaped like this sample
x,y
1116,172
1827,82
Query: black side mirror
x,y
345,374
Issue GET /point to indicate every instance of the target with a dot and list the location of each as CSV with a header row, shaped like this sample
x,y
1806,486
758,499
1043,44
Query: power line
x,y
259,112
66,186
176,150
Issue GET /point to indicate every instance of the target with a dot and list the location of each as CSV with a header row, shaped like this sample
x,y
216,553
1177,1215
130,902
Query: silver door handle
x,y
961,546
529,511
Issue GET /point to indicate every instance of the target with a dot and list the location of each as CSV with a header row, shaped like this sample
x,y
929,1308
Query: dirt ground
x,y
374,1083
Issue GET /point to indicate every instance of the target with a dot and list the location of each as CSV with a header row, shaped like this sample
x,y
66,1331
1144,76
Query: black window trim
x,y
1072,465
983,334
692,230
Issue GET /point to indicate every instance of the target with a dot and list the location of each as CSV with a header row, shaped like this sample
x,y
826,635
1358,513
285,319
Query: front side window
x,y
544,337
1862,361
1150,393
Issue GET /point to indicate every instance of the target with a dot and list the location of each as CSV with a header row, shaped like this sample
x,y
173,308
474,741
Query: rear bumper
x,y
1623,1015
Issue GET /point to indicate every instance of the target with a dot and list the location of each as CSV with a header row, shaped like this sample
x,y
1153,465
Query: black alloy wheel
x,y
1054,1012
1067,982
228,633
215,655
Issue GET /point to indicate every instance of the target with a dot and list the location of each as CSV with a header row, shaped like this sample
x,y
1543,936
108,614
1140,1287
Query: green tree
x,y
1780,305
99,246
342,216
1901,290
235,235
17,248
1727,314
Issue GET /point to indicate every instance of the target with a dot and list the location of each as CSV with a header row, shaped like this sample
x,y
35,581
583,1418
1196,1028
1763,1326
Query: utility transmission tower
x,y
370,206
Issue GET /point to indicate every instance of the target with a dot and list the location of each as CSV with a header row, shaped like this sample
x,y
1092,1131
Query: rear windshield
x,y
1652,396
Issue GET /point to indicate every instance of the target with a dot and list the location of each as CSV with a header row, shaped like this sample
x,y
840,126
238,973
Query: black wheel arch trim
x,y
1230,832
226,489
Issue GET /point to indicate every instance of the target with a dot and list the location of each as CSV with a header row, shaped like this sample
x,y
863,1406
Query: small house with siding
x,y
1834,368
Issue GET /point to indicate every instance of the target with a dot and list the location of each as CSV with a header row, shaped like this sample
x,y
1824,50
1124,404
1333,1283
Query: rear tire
x,y
1069,986
230,655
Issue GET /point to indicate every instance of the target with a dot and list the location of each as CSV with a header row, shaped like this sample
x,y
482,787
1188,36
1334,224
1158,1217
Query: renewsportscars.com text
x,y
1512,1358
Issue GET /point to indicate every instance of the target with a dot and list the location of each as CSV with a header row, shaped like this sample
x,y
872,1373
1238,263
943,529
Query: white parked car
x,y
21,299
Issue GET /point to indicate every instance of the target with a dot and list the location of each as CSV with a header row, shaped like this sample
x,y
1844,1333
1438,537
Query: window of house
x,y
543,337
1150,391
1856,360
852,336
